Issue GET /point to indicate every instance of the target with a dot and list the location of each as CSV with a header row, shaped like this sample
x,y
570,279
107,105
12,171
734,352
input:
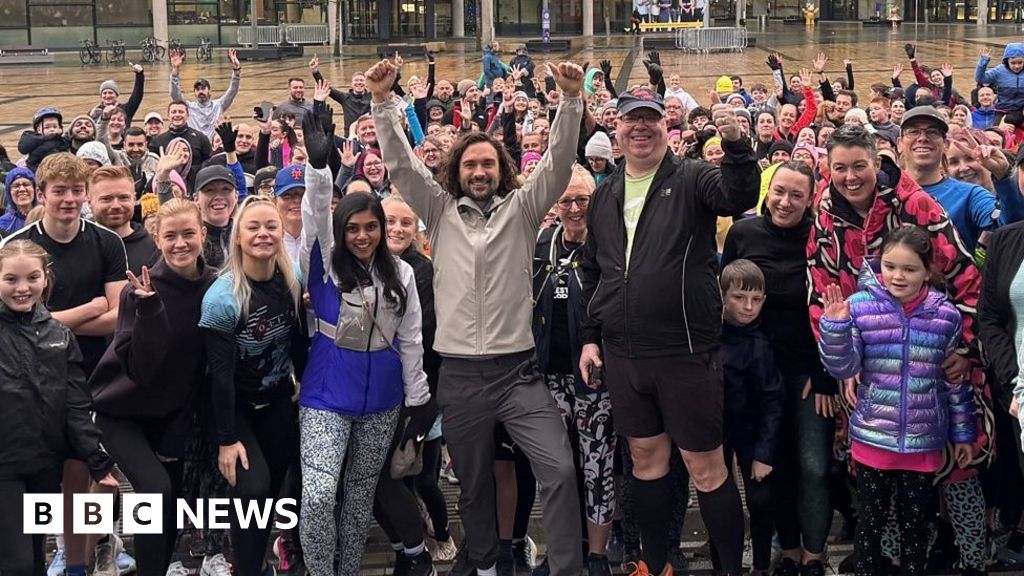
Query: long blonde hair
x,y
241,287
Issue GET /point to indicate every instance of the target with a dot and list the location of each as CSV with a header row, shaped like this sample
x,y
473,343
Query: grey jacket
x,y
483,262
204,117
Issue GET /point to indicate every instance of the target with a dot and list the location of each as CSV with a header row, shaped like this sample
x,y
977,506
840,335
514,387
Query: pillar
x,y
333,33
486,22
160,19
982,12
588,17
458,18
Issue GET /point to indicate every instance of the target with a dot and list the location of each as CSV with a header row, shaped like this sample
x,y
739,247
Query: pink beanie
x,y
527,158
175,179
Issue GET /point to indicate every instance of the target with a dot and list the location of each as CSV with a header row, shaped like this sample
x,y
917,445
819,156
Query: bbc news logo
x,y
143,513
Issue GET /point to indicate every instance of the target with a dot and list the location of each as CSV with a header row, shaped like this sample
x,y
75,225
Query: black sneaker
x,y
812,568
505,566
849,564
403,563
419,565
524,553
461,566
542,569
598,565
787,567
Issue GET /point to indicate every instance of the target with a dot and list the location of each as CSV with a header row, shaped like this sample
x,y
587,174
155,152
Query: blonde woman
x,y
250,320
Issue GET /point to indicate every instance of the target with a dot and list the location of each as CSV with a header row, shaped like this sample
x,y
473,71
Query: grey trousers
x,y
474,395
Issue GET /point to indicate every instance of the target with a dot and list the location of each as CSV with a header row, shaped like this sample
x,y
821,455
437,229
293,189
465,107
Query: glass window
x,y
113,12
301,11
360,20
201,12
442,18
408,18
53,13
13,14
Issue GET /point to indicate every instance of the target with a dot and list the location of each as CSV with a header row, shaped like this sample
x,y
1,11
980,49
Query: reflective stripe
x,y
326,328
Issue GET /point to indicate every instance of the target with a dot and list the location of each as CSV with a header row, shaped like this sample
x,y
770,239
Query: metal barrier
x,y
306,34
711,39
265,35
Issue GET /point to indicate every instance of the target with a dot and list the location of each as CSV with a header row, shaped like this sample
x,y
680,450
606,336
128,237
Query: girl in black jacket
x,y
145,386
44,405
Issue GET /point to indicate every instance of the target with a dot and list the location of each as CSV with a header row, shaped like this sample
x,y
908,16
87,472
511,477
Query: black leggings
x,y
877,490
22,554
762,512
394,505
271,438
425,484
133,445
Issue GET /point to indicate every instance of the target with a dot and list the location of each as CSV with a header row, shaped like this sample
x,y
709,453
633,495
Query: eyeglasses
x,y
581,202
931,133
429,151
634,120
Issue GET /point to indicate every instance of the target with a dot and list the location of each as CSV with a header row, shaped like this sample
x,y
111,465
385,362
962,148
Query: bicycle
x,y
115,52
175,45
89,53
205,52
152,51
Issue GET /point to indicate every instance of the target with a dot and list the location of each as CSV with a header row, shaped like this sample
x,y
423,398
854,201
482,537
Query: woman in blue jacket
x,y
365,361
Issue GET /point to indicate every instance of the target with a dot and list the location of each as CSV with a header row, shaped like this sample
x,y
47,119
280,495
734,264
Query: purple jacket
x,y
904,403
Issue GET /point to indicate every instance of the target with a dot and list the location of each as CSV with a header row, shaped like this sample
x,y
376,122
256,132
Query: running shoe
x,y
421,565
289,555
524,552
215,565
598,565
787,567
813,568
106,554
125,563
177,569
58,565
446,550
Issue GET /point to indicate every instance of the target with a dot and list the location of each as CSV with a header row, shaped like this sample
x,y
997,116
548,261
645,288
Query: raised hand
x,y
421,90
568,77
728,128
314,64
143,286
177,57
985,52
227,136
805,78
348,154
836,306
774,62
655,75
897,70
318,145
654,56
989,156
137,68
233,57
911,50
847,62
399,62
947,70
606,67
171,160
379,80
108,110
819,62
322,90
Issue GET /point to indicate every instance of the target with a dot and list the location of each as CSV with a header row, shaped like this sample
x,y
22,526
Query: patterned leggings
x,y
877,488
325,439
588,418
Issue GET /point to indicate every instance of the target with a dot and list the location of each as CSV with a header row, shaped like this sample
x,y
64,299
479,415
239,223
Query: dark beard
x,y
467,191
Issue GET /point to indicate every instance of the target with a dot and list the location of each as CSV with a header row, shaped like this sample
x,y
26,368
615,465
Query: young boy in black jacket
x,y
753,398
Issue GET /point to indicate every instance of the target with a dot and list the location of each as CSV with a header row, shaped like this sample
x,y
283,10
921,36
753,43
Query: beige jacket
x,y
482,265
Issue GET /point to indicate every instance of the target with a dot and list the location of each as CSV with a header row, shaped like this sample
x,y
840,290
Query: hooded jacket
x,y
35,147
13,219
492,67
904,402
1009,85
754,393
44,404
667,300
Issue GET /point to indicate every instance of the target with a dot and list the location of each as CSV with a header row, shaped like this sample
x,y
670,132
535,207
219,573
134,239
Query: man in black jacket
x,y
177,112
655,308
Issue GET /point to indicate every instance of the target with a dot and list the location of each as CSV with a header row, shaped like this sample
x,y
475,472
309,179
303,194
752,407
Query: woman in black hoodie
x,y
777,243
145,386
44,405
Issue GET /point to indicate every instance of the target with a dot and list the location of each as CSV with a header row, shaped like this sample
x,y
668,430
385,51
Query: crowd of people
x,y
525,281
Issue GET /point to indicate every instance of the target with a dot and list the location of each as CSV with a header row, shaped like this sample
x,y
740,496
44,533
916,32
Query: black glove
x,y
227,136
656,74
586,65
773,61
318,145
606,67
910,50
418,420
654,56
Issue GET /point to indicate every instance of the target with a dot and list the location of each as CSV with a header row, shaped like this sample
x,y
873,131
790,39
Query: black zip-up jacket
x,y
668,301
754,393
997,320
44,404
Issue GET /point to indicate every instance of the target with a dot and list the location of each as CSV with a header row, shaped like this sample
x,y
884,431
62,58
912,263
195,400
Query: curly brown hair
x,y
448,175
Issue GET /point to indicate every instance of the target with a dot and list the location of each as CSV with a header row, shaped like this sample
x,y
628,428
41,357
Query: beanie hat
x,y
858,114
599,146
812,150
520,94
723,86
261,177
527,158
781,145
149,203
743,112
464,86
735,95
713,141
81,117
675,132
434,103
175,178
110,84
95,151
18,172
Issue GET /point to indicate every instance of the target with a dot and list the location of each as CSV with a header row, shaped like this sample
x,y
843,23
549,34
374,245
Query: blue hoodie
x,y
1009,85
13,220
492,66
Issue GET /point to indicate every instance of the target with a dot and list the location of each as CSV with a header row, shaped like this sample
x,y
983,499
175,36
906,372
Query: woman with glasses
x,y
431,152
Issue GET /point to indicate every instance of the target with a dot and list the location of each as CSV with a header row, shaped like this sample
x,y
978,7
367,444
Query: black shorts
x,y
680,395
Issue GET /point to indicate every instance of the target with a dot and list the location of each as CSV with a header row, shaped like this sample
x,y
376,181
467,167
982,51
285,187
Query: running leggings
x,y
425,484
132,444
326,437
876,489
22,554
270,438
395,507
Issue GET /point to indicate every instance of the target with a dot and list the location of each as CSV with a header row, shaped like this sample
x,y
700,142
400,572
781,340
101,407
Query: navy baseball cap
x,y
289,177
640,98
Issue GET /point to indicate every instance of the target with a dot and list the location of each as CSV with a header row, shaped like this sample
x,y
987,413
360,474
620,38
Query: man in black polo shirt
x,y
88,263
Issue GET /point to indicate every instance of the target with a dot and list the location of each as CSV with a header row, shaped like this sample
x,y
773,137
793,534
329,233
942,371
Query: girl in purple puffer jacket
x,y
891,338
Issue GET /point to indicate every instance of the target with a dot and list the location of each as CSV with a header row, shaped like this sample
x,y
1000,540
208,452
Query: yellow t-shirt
x,y
633,206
